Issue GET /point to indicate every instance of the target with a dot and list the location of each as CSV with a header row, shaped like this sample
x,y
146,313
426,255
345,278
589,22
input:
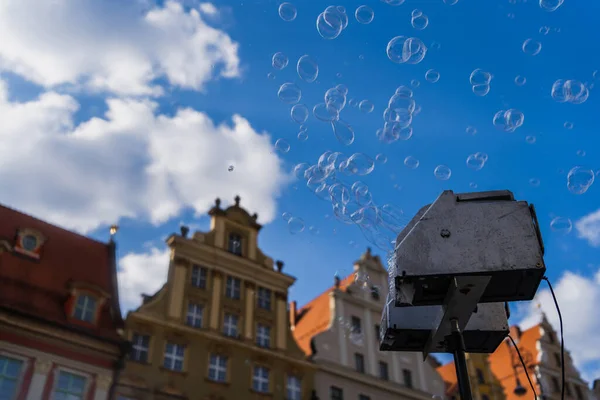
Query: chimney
x,y
515,332
184,231
293,314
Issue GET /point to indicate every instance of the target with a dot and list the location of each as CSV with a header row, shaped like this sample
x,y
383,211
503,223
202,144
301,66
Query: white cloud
x,y
578,298
588,228
131,163
113,46
142,273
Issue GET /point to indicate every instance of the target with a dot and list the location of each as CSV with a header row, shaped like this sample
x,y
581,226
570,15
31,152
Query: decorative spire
x,y
237,201
337,281
218,202
279,264
254,217
113,231
184,230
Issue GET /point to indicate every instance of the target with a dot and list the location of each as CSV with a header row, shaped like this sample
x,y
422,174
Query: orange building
x,y
59,312
484,384
540,349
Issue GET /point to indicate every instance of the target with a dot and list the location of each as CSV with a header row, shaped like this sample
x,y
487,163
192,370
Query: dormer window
x,y
85,308
29,242
235,244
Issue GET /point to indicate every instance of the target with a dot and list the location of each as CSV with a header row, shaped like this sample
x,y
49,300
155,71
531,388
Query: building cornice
x,y
369,380
207,334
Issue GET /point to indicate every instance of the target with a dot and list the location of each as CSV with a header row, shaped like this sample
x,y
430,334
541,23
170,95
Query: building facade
x,y
540,349
59,312
219,328
484,384
339,330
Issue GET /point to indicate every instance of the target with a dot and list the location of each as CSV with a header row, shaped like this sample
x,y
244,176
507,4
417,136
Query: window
x,y
294,388
377,332
407,375
557,359
139,348
230,325
336,393
363,397
194,315
69,387
579,393
233,288
355,325
480,377
551,337
10,372
174,354
383,371
217,369
199,277
263,335
555,385
264,298
260,379
568,390
235,244
29,242
359,363
85,308
484,397
375,292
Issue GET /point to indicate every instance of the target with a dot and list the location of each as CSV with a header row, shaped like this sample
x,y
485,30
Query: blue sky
x,y
461,38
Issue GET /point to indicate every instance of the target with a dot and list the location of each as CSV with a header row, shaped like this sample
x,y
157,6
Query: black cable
x,y
562,338
524,367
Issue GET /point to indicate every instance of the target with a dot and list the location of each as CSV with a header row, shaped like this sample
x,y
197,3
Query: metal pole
x,y
460,362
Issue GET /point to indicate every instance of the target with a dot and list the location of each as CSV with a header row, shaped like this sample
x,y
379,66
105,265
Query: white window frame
x,y
201,278
85,307
138,347
218,367
230,290
258,380
263,335
26,361
195,315
293,388
87,376
174,357
230,329
262,300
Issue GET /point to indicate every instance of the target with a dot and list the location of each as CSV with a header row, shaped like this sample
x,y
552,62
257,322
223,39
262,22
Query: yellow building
x,y
219,329
484,384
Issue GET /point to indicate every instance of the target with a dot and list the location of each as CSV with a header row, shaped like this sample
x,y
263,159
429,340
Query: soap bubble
x,y
289,93
282,146
550,5
532,47
442,172
432,76
579,180
299,113
287,12
364,15
402,49
411,162
561,225
366,106
307,68
279,61
295,225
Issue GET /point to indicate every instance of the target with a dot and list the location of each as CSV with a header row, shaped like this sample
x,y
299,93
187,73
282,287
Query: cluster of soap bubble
x,y
418,20
579,180
570,91
406,50
295,224
329,111
332,21
352,203
398,116
508,120
480,82
477,161
353,333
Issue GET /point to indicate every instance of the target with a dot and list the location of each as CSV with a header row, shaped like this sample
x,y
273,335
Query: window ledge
x,y
218,383
262,394
139,361
180,373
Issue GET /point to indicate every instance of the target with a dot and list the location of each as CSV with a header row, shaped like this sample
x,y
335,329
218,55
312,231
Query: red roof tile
x,y
40,288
